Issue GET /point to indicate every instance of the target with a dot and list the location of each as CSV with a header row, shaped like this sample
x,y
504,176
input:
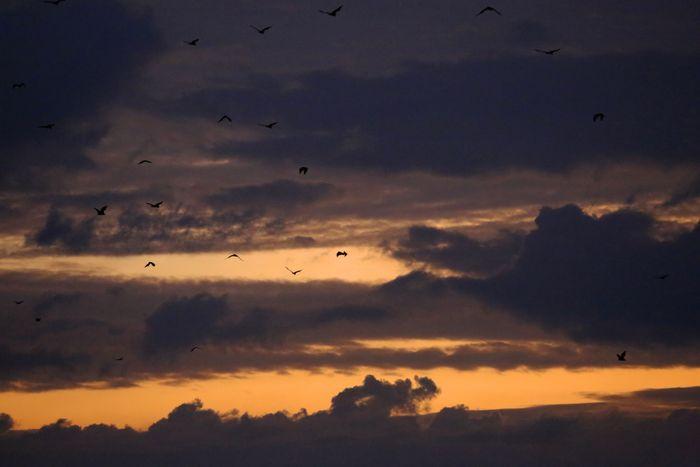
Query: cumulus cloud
x,y
65,232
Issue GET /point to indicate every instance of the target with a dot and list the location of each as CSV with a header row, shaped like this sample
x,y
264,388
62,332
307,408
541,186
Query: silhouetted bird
x,y
155,205
268,125
662,276
621,356
547,52
48,126
102,211
19,302
119,359
234,255
341,253
145,161
261,31
54,2
194,348
37,319
294,273
224,117
193,42
303,170
599,117
150,263
18,85
332,12
489,8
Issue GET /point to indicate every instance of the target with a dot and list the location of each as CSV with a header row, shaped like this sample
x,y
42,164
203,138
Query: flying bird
x,y
194,348
268,125
145,161
193,42
54,2
621,356
19,302
303,170
599,117
102,211
332,12
48,126
224,117
547,52
155,205
341,253
234,255
662,276
489,8
18,85
294,273
119,359
37,319
150,263
261,31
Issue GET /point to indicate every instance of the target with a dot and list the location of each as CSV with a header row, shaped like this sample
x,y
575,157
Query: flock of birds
x,y
102,211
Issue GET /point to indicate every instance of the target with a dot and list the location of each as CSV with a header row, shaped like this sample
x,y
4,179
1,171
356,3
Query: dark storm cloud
x,y
456,251
62,231
74,59
577,435
479,115
39,369
279,194
686,193
56,300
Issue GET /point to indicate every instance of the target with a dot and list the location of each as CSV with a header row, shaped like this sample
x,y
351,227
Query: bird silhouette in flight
x,y
621,356
102,211
269,126
48,126
489,8
37,319
303,170
547,52
145,161
18,85
196,347
155,205
332,12
54,2
261,30
19,302
599,117
294,273
193,42
224,117
341,253
151,264
234,255
119,359
662,276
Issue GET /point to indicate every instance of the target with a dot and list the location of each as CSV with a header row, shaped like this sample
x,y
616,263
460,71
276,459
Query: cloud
x,y
688,397
687,193
65,232
6,423
279,194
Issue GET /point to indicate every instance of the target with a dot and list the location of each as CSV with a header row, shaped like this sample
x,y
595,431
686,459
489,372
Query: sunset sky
x,y
502,247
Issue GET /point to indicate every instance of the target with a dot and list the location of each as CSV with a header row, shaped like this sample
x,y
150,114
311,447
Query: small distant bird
x,y
332,12
150,263
193,42
37,319
599,117
54,2
155,205
18,85
621,356
48,126
19,302
294,273
662,276
119,359
224,117
489,8
268,125
547,52
196,347
234,255
341,253
303,170
145,161
102,211
261,31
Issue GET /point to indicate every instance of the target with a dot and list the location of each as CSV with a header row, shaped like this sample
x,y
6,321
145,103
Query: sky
x,y
502,246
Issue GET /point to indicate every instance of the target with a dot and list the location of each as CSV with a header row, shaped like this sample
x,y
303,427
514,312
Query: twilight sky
x,y
502,245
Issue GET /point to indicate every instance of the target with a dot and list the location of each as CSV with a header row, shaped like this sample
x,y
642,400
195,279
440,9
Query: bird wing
x,y
337,9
